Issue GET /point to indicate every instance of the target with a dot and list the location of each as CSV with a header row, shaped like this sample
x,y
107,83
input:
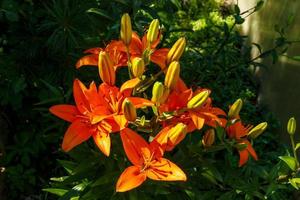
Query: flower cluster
x,y
177,110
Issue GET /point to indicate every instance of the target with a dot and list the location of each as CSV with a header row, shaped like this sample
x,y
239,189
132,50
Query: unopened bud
x,y
126,30
176,51
157,92
208,138
106,68
291,126
129,110
176,135
198,100
165,95
257,130
138,67
235,109
153,31
172,75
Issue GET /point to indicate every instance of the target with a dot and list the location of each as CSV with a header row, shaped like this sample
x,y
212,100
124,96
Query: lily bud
x,y
157,92
257,130
165,95
198,100
209,138
172,75
176,135
153,31
138,67
129,110
235,109
291,126
106,68
176,51
126,30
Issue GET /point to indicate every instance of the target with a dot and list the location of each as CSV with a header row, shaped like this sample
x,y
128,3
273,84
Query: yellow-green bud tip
x,y
106,68
153,31
172,75
198,100
235,109
138,67
176,135
126,29
257,130
176,50
291,126
208,138
157,92
129,110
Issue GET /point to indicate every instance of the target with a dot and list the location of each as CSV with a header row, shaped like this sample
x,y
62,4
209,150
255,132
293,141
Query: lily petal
x,y
130,178
159,57
121,121
244,156
165,170
77,133
160,142
102,140
140,102
95,50
135,146
198,121
180,86
251,150
65,112
130,84
79,96
91,59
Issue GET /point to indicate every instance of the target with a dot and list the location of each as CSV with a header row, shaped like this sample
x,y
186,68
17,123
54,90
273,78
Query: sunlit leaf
x,y
290,161
56,191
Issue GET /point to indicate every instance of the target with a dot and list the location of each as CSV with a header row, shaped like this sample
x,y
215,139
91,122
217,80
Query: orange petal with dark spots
x,y
130,178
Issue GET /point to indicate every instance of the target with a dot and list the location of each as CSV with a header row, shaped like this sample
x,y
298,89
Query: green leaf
x,y
220,133
59,179
100,12
176,3
296,58
56,191
237,9
239,19
56,92
294,183
259,5
297,146
105,179
290,161
68,165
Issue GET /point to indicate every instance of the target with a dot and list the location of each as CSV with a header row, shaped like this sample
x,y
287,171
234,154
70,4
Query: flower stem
x,y
128,62
294,150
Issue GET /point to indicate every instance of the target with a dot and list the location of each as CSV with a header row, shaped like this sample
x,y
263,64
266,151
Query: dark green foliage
x,y
39,46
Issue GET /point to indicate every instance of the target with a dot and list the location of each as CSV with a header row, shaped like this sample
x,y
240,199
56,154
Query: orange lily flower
x,y
96,114
138,46
113,100
118,58
193,118
147,162
239,132
88,105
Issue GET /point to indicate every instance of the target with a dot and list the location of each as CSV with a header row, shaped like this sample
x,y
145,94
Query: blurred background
x,y
279,81
253,57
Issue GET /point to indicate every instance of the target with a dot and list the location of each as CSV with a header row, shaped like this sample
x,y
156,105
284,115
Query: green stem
x,y
129,63
294,150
